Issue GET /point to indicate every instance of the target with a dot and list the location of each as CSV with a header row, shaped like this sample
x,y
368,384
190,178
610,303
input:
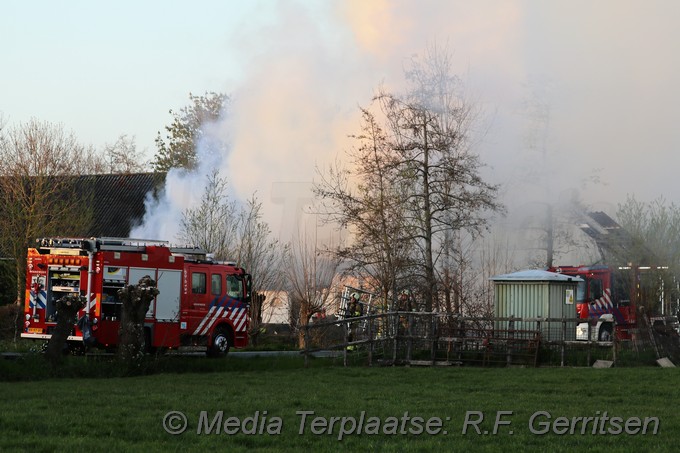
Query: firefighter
x,y
354,310
405,301
357,309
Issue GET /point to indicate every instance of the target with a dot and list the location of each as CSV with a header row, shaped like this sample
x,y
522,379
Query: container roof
x,y
535,275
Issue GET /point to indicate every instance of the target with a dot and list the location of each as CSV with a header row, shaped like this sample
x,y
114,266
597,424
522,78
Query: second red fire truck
x,y
610,297
200,302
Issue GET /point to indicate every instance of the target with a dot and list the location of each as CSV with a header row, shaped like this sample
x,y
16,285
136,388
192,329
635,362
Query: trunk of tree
x,y
20,269
550,236
67,310
305,314
430,284
256,317
136,301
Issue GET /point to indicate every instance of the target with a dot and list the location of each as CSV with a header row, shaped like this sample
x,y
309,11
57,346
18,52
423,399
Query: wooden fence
x,y
417,338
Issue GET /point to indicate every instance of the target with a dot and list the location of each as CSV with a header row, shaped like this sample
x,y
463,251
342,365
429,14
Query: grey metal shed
x,y
537,294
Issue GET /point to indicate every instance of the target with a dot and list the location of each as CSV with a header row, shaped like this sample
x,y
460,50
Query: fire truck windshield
x,y
234,287
581,292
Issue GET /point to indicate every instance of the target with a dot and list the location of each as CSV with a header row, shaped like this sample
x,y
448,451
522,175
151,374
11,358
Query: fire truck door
x,y
199,296
169,289
136,274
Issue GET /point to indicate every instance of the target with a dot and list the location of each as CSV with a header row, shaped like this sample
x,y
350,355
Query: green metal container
x,y
537,294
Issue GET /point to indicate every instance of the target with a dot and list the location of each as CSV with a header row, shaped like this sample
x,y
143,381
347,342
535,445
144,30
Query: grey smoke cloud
x,y
605,71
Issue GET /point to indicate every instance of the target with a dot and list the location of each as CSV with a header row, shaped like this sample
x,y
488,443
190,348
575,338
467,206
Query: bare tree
x,y
430,132
68,307
213,224
236,232
549,225
264,258
311,275
365,198
413,186
654,241
39,163
123,156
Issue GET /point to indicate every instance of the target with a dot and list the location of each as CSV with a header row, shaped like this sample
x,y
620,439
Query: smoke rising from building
x,y
604,73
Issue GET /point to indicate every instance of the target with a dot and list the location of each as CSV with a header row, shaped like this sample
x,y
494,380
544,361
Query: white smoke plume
x,y
608,81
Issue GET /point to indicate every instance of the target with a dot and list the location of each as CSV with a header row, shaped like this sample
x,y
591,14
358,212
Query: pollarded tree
x,y
178,148
310,277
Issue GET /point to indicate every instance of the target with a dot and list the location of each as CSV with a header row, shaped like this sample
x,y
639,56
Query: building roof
x,y
118,200
535,275
616,245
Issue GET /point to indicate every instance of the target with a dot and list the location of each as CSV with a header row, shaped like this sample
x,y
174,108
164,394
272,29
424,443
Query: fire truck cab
x,y
201,303
609,297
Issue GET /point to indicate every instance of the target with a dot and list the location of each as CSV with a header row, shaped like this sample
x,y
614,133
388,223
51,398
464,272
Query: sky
x,y
576,98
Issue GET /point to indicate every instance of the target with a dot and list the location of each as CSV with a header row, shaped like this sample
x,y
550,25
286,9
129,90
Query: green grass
x,y
126,413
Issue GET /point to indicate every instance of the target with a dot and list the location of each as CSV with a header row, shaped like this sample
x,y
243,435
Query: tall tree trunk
x,y
430,284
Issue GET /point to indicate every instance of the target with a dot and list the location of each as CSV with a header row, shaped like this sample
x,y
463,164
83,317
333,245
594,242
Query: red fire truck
x,y
609,298
201,303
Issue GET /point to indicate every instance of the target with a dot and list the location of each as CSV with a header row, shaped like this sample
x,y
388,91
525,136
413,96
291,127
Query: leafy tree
x,y
178,148
654,227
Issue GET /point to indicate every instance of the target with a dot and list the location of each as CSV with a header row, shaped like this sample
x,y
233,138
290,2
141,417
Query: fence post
x,y
395,336
590,343
345,345
370,341
511,336
564,339
435,337
614,335
409,337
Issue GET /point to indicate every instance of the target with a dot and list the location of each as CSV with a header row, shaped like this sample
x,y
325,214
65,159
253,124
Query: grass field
x,y
128,413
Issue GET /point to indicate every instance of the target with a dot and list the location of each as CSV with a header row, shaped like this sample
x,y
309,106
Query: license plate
x,y
34,330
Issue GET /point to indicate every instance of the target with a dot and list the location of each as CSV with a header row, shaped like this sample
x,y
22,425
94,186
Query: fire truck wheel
x,y
606,333
220,343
